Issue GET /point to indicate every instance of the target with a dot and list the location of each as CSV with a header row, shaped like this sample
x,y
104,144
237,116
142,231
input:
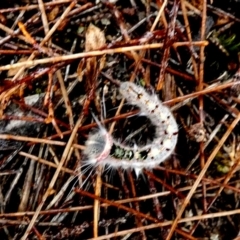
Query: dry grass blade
x,y
62,68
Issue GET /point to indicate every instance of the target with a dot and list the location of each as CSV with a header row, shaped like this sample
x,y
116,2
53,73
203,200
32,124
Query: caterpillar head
x,y
98,146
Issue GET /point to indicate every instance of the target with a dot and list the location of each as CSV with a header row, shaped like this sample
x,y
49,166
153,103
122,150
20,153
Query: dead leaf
x,y
13,72
91,67
53,13
63,24
95,38
81,70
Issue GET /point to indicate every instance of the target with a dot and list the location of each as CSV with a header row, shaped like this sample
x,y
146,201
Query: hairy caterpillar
x,y
102,149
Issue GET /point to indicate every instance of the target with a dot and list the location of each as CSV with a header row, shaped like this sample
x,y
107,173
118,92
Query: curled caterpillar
x,y
102,149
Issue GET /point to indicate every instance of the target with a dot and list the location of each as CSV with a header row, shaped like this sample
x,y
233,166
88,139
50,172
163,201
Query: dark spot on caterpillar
x,y
163,121
167,149
161,142
144,154
139,95
168,116
117,152
129,154
165,132
175,133
153,111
